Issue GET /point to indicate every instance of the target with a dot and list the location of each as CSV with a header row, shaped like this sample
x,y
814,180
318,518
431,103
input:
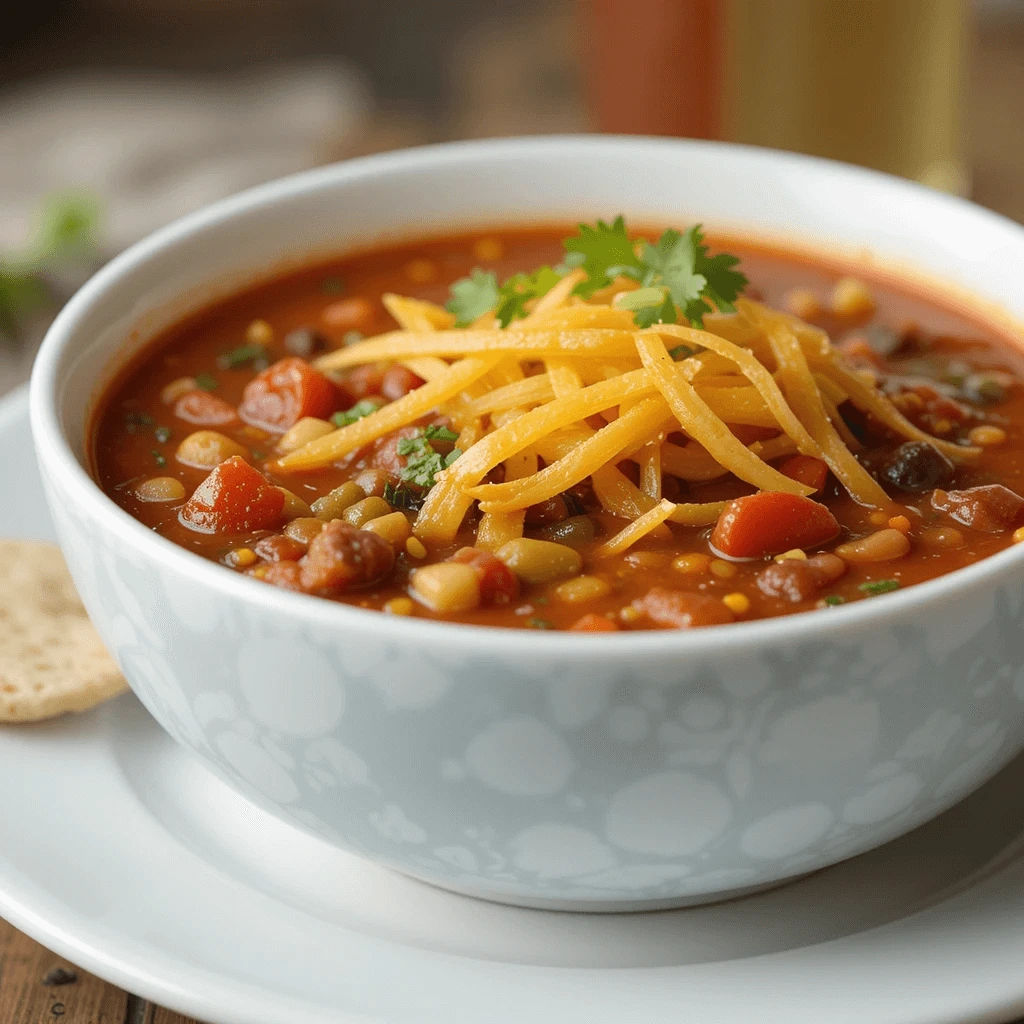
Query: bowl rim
x,y
53,447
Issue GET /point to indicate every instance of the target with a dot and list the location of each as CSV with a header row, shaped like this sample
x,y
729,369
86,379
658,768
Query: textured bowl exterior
x,y
621,772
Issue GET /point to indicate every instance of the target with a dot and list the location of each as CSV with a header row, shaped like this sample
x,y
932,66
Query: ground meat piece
x,y
793,579
677,609
279,548
798,579
916,467
341,558
991,508
286,574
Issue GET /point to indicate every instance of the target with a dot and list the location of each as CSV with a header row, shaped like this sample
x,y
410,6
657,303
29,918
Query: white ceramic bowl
x,y
550,769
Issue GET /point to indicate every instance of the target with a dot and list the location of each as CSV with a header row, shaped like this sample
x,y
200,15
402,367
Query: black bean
x,y
916,467
305,342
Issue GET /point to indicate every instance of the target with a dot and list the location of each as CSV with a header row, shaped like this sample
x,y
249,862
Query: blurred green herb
x,y
162,434
206,381
65,236
242,356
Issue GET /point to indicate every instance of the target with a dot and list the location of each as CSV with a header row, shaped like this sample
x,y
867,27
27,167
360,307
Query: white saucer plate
x,y
121,853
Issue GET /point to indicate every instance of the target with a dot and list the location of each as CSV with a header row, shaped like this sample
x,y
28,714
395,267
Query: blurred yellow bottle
x,y
873,82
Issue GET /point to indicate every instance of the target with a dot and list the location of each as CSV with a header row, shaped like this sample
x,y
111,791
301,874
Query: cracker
x,y
51,659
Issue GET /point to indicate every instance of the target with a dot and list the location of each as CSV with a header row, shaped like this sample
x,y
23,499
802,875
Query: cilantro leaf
x,y
520,289
473,296
437,432
362,408
649,305
607,251
206,381
724,284
673,261
423,462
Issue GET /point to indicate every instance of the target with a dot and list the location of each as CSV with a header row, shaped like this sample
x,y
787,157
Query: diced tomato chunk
x,y
594,623
940,405
498,583
398,382
991,508
679,609
234,498
286,392
806,469
204,410
770,522
364,381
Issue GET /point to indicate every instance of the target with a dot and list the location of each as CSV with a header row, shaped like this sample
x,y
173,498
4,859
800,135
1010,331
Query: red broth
x,y
945,350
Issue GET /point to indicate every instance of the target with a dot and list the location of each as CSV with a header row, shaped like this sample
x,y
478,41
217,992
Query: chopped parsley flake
x,y
162,434
136,421
880,587
158,458
682,352
834,599
423,463
362,408
539,623
206,381
243,356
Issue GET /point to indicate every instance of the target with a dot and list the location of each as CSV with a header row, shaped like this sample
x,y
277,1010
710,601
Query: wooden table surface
x,y
29,988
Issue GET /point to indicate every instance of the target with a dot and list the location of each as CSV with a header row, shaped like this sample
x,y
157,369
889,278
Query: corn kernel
x,y
630,614
879,518
719,567
259,332
737,603
901,523
421,271
692,563
399,606
260,571
794,554
488,249
416,548
986,435
1018,535
942,426
852,298
243,557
